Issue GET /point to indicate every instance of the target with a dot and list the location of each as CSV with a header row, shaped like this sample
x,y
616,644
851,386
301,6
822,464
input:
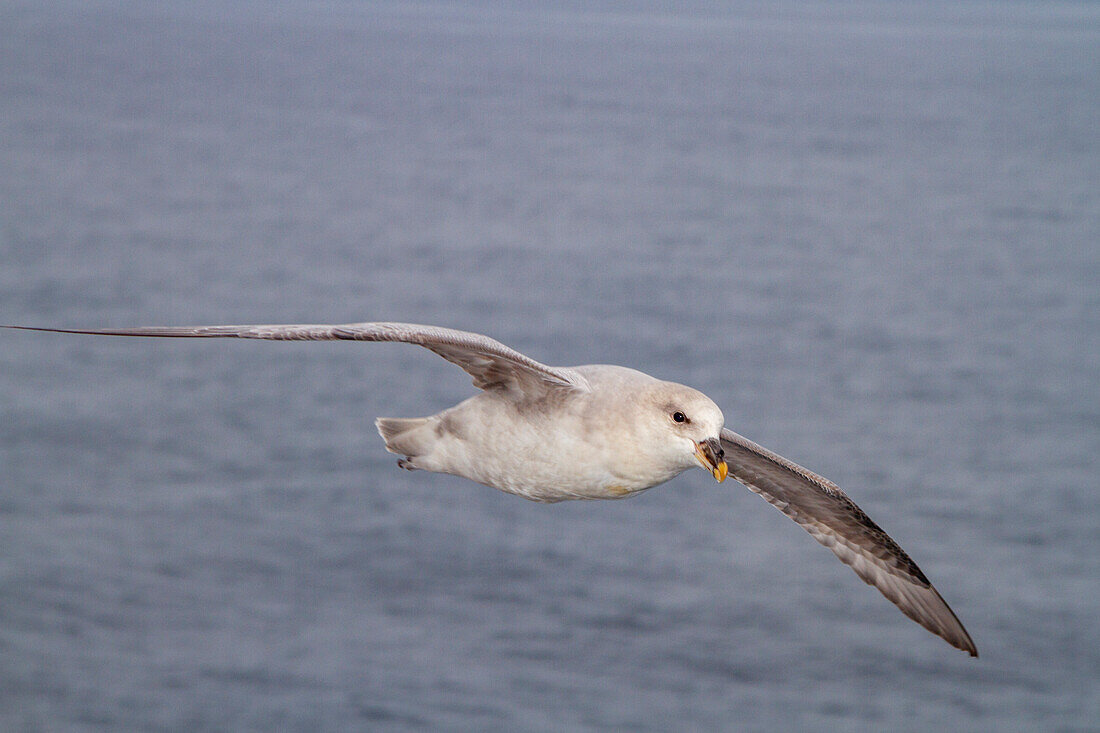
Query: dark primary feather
x,y
835,521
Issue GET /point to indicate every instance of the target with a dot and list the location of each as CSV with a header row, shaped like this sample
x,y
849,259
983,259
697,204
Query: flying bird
x,y
603,432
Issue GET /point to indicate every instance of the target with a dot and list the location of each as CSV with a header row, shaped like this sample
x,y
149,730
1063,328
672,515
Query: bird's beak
x,y
709,453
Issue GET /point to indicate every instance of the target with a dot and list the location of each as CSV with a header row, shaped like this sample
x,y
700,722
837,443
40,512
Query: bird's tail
x,y
406,436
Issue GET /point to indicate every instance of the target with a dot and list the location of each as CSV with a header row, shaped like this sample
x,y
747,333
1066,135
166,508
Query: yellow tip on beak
x,y
709,455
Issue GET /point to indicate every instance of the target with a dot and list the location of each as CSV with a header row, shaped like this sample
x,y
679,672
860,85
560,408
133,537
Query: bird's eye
x,y
679,417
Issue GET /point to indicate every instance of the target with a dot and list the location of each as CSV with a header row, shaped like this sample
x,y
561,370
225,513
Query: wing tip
x,y
956,636
966,644
940,619
41,328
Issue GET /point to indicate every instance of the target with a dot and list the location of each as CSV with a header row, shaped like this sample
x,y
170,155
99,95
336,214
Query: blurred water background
x,y
870,231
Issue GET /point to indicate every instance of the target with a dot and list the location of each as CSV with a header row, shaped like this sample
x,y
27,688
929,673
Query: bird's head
x,y
685,424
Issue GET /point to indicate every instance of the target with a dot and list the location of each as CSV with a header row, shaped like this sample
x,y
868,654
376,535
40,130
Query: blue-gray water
x,y
870,231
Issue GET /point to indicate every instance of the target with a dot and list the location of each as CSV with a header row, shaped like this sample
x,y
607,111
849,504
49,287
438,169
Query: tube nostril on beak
x,y
715,448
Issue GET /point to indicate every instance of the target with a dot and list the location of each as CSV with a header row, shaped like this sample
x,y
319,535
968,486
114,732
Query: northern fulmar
x,y
604,432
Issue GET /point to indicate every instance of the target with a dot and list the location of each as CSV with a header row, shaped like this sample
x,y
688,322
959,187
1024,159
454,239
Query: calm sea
x,y
870,231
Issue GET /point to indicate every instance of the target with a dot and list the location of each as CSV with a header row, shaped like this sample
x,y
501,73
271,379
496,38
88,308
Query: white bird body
x,y
605,432
520,437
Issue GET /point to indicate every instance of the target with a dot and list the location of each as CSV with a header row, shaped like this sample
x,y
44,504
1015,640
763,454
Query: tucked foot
x,y
406,463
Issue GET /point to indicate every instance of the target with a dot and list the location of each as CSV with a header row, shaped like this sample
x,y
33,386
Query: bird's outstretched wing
x,y
835,521
493,365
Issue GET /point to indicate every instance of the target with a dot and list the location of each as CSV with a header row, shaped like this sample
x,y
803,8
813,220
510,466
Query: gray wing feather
x,y
835,521
492,364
